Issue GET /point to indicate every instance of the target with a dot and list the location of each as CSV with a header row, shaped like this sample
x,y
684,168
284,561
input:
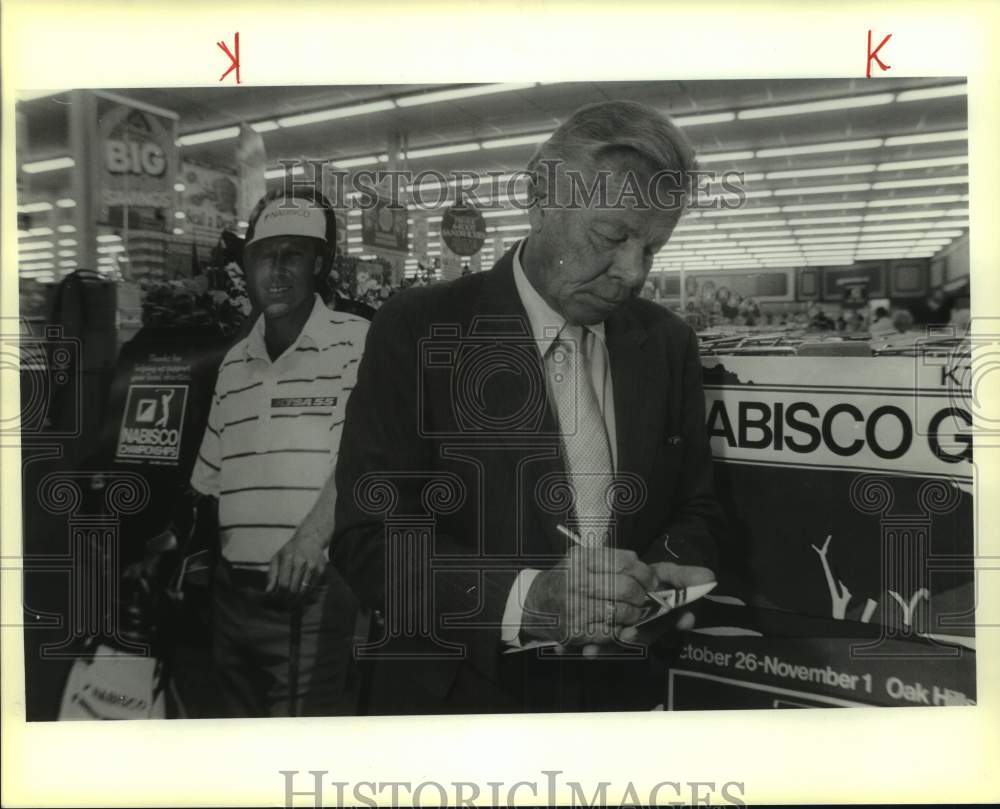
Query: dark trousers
x,y
253,640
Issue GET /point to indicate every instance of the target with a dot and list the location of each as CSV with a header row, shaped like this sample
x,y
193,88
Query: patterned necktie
x,y
584,432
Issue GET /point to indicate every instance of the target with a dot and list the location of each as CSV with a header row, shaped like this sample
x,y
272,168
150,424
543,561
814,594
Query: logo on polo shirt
x,y
153,423
305,401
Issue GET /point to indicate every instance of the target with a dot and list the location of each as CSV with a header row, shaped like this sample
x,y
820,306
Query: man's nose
x,y
630,264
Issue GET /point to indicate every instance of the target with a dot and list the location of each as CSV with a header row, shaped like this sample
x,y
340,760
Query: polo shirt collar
x,y
311,334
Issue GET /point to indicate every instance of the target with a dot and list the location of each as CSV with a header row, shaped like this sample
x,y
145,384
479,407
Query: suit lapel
x,y
640,383
500,312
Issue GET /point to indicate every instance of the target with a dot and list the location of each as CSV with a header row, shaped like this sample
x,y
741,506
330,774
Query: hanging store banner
x,y
463,229
251,157
137,166
209,201
384,228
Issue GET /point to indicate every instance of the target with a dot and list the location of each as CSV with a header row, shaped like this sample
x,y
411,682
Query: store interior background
x,y
856,197
853,178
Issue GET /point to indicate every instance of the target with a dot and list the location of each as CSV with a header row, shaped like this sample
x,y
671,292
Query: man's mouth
x,y
278,289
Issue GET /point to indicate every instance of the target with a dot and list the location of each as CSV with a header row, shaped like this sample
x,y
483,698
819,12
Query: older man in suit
x,y
525,456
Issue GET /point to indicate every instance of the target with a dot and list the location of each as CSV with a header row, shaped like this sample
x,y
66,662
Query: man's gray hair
x,y
613,125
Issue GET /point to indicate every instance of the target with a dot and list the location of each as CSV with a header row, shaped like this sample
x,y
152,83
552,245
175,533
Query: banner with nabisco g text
x,y
848,484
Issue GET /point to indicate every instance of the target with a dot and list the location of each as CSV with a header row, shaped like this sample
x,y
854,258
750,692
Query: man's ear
x,y
536,203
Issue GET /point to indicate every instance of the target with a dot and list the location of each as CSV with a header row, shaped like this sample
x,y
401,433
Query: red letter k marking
x,y
234,61
871,55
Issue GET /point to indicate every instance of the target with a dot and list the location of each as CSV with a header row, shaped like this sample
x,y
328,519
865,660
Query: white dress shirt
x,y
545,324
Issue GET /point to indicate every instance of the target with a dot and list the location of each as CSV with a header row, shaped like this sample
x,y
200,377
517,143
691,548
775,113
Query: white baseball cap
x,y
290,216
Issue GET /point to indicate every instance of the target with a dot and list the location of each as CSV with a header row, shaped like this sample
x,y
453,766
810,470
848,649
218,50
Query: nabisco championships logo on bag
x,y
152,424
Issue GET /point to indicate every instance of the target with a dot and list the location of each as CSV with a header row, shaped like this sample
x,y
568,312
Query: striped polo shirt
x,y
274,430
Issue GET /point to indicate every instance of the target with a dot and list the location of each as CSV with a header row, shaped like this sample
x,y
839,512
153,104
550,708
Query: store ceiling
x,y
539,109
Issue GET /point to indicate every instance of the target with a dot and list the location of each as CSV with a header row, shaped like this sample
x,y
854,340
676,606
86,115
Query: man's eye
x,y
611,239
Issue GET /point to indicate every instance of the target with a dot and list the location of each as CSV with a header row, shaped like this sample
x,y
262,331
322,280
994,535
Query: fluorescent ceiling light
x,y
431,151
367,160
178,231
67,263
34,207
825,231
926,181
63,229
825,172
901,226
264,126
40,265
706,118
824,220
109,237
459,92
517,140
821,148
36,245
272,174
210,135
54,164
822,189
823,206
66,253
762,224
700,238
883,217
932,92
905,165
898,235
940,199
767,235
34,256
497,214
67,242
723,157
65,203
742,212
826,239
337,112
927,137
887,245
827,105
769,243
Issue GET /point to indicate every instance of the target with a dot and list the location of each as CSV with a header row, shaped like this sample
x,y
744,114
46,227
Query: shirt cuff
x,y
510,629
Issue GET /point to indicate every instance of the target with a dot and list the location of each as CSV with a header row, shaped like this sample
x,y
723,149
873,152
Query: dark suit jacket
x,y
450,480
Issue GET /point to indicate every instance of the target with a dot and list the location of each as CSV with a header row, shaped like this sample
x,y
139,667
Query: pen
x,y
571,535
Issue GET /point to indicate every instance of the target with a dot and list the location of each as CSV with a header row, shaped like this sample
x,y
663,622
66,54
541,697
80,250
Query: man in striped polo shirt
x,y
283,619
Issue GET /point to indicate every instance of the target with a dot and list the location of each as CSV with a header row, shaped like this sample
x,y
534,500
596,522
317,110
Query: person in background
x,y
881,322
284,620
902,320
938,308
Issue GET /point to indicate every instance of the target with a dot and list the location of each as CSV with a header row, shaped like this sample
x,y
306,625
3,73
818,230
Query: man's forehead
x,y
623,181
284,241
650,223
